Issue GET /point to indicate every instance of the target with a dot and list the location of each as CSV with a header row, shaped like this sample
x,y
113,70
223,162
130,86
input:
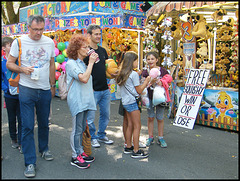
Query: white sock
x,y
160,137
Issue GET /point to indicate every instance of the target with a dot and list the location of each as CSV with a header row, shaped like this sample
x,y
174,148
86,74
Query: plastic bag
x,y
159,95
145,99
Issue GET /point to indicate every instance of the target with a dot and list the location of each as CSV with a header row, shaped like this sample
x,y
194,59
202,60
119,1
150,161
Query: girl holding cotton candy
x,y
160,80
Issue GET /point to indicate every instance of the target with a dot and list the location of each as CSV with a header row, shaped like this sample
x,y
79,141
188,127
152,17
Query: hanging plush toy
x,y
176,30
179,50
199,30
111,68
218,15
203,49
209,33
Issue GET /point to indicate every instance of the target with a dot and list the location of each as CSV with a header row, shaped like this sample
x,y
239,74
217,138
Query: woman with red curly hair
x,y
80,96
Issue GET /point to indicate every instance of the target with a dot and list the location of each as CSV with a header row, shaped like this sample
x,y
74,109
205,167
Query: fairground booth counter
x,y
194,38
122,26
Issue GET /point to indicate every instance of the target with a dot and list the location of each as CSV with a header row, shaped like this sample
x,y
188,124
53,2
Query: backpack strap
x,y
20,51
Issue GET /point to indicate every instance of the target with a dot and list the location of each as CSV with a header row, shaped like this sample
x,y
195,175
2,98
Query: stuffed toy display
x,y
167,50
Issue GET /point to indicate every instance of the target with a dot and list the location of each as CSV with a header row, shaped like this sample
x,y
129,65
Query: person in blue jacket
x,y
11,99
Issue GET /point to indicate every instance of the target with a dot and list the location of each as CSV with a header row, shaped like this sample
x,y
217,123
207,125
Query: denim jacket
x,y
80,95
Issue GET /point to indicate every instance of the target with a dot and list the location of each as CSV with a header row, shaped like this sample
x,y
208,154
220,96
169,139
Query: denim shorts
x,y
131,107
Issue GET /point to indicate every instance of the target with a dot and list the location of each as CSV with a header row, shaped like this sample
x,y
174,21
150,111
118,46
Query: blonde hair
x,y
126,67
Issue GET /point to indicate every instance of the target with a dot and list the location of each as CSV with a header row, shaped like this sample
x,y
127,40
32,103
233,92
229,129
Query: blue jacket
x,y
5,83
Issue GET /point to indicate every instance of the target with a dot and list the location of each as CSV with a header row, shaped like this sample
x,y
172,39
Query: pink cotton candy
x,y
154,73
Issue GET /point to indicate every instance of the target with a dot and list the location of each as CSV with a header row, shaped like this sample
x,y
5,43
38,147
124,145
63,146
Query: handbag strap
x,y
129,90
71,83
20,51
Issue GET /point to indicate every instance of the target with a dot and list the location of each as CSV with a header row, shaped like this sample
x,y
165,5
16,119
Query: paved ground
x,y
201,153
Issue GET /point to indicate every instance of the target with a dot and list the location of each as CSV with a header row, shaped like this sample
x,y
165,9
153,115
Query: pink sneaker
x,y
87,158
79,162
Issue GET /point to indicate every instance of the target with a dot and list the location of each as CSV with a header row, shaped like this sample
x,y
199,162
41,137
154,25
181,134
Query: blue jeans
x,y
78,127
13,111
41,99
102,99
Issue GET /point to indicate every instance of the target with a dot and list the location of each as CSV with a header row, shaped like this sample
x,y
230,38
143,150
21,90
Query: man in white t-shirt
x,y
36,88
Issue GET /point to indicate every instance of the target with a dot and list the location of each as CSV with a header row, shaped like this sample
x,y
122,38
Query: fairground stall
x,y
122,25
199,36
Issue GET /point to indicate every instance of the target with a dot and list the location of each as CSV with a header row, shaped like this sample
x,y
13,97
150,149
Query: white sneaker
x,y
106,140
141,145
95,143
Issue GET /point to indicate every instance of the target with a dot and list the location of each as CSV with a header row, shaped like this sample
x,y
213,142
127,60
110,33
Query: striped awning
x,y
168,6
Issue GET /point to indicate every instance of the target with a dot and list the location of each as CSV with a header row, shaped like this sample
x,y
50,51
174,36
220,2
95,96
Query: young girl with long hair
x,y
130,88
164,80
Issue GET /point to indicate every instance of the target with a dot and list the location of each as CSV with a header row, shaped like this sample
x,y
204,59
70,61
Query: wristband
x,y
54,85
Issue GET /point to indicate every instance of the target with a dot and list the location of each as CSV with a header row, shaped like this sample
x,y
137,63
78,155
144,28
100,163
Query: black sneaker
x,y
128,150
164,104
87,158
79,162
15,144
139,154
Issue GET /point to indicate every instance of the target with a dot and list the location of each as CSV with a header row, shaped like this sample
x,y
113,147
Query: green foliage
x,y
8,14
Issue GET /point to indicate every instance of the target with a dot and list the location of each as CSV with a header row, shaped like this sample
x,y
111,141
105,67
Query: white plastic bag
x,y
159,95
145,99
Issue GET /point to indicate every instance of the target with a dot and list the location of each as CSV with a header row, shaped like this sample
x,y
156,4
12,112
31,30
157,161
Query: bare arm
x,y
11,65
52,75
86,75
141,87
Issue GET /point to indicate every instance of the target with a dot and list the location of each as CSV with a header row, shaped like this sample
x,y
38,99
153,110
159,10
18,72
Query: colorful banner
x,y
118,7
71,8
14,29
81,22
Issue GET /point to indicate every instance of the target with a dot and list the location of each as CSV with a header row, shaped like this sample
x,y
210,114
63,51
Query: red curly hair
x,y
75,43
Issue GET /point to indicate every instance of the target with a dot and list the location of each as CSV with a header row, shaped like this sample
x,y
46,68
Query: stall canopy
x,y
169,6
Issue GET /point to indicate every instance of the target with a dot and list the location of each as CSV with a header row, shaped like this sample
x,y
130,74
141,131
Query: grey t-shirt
x,y
35,53
128,95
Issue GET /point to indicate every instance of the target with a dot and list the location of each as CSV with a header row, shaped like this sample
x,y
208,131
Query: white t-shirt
x,y
128,96
35,53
